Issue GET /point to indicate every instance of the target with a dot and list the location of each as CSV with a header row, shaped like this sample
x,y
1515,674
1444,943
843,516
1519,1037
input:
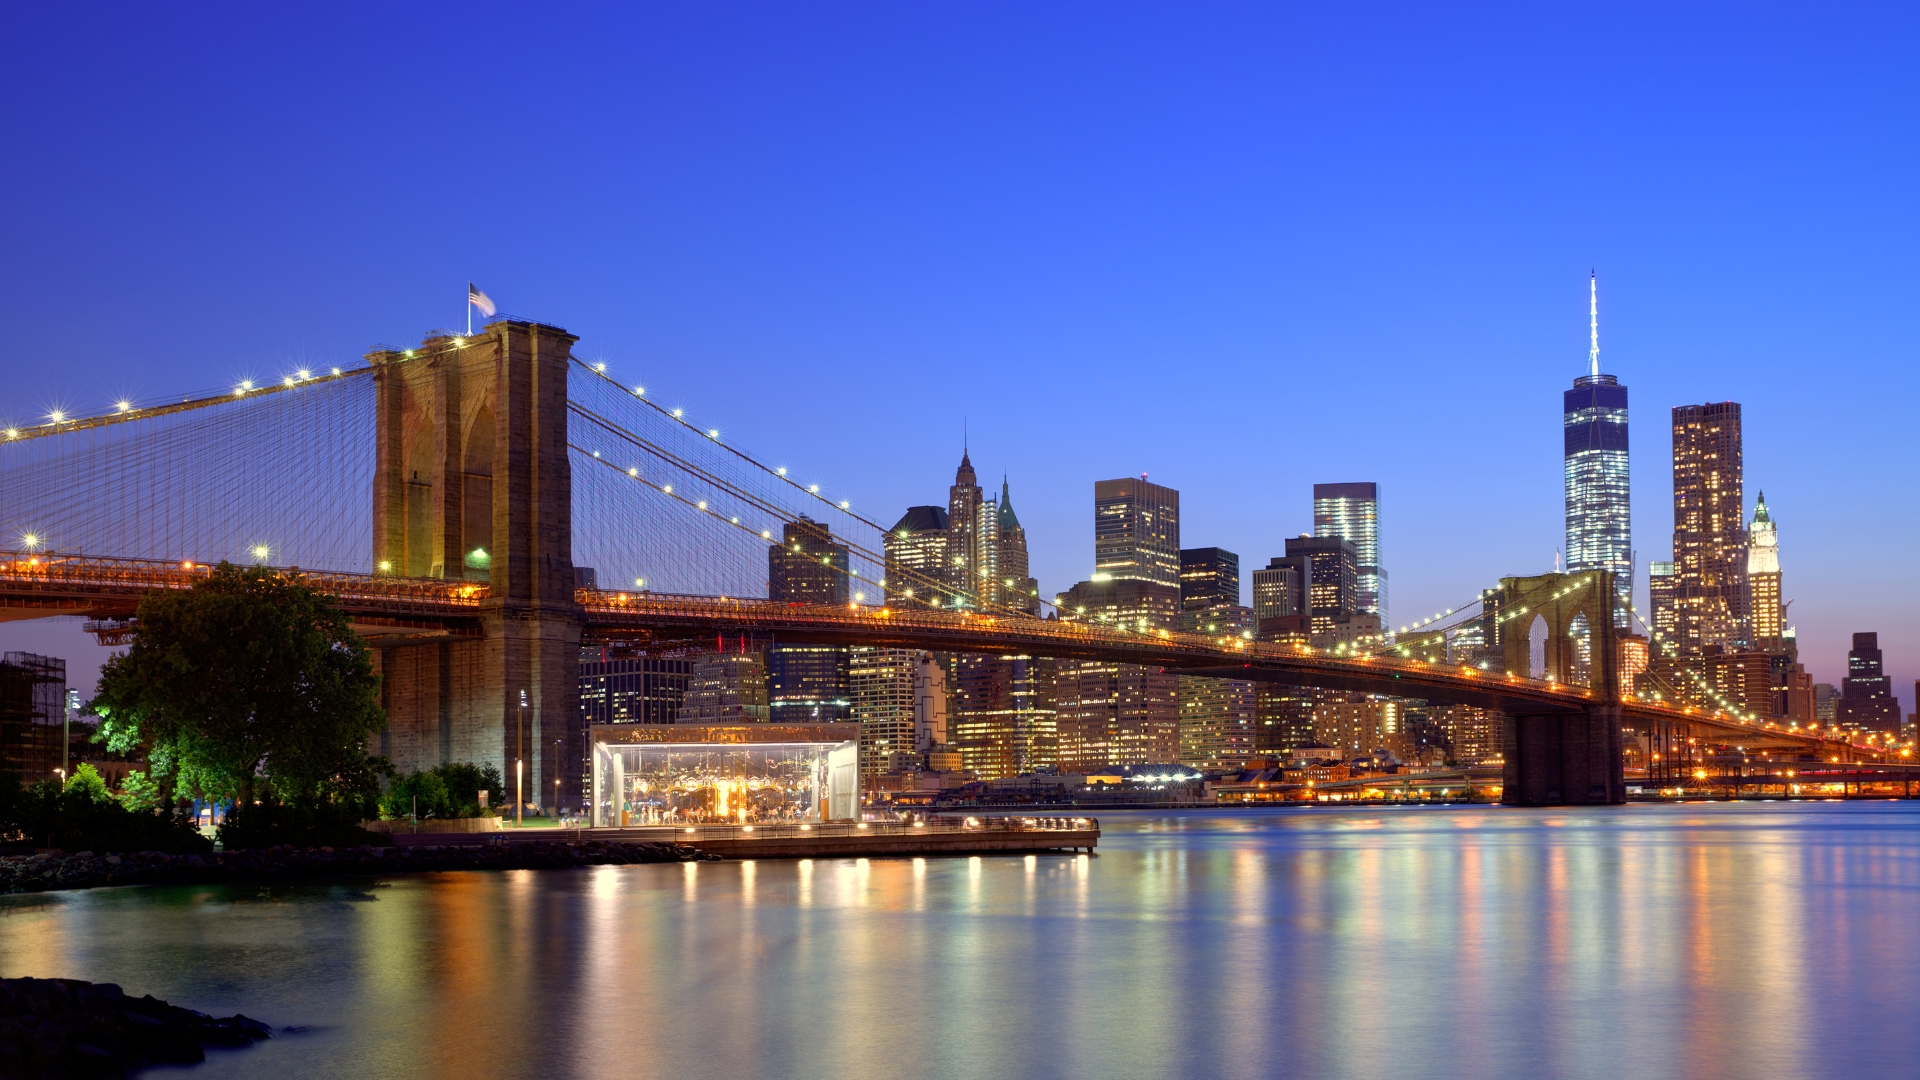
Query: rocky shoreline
x,y
66,1027
87,870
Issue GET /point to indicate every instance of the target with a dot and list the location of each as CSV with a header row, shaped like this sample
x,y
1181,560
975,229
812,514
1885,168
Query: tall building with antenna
x,y
1599,509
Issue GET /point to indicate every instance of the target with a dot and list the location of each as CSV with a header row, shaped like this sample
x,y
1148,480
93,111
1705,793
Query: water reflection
x,y
1696,941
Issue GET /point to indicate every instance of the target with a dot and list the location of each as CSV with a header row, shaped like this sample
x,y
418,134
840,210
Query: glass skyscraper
x,y
1352,513
1599,509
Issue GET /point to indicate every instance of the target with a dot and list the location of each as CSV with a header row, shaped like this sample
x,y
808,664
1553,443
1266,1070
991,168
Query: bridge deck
x,y
34,585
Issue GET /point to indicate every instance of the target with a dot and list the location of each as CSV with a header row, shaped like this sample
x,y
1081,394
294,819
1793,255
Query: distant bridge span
x,y
393,612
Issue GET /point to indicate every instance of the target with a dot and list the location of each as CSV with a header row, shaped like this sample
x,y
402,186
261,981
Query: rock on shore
x,y
65,1027
85,870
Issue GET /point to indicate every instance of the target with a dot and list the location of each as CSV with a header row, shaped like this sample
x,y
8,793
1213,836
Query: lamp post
x,y
519,750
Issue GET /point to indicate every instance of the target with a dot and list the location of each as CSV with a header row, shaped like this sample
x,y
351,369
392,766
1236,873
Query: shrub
x,y
465,780
84,816
419,794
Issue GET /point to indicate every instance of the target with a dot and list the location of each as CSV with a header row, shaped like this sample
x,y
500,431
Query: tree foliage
x,y
250,686
83,816
448,791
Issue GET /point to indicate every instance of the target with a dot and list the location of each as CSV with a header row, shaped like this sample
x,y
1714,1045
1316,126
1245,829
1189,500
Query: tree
x,y
250,686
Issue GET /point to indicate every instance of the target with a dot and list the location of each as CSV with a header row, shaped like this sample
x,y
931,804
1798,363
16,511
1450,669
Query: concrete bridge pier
x,y
1564,759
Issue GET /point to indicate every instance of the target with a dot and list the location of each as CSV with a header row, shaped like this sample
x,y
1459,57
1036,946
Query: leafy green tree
x,y
250,686
421,793
85,782
140,794
465,781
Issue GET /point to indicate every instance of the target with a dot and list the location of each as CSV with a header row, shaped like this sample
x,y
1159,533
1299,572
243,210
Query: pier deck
x,y
939,836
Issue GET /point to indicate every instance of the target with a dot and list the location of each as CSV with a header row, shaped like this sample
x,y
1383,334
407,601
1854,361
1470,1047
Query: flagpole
x,y
469,309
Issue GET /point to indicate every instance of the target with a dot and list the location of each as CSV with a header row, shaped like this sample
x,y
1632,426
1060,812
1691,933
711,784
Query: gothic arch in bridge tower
x,y
418,561
1559,600
476,533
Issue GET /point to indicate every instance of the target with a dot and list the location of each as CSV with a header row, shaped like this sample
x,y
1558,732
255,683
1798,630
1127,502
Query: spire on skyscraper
x,y
1593,320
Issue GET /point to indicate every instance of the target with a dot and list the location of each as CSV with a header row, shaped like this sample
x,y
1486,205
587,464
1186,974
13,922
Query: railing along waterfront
x,y
946,824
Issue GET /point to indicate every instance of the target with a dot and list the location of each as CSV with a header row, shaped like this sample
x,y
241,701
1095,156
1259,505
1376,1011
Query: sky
x,y
1243,249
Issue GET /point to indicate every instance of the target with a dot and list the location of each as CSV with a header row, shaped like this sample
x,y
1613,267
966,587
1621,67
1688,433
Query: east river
x,y
1759,940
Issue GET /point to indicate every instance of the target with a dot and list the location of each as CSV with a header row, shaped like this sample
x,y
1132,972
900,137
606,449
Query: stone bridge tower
x,y
1565,758
472,482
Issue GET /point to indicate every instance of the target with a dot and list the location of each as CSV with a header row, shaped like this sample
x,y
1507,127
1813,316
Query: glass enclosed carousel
x,y
685,774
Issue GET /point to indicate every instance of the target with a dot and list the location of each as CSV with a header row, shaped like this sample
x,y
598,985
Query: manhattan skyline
x,y
1244,254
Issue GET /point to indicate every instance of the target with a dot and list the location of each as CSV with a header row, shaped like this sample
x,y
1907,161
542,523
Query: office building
x,y
1283,717
1014,589
1216,715
1709,538
1136,531
1599,510
1002,714
1115,714
726,688
1766,612
1332,574
1281,587
1352,513
1866,696
1661,584
1209,578
971,535
1826,703
880,698
1123,714
917,564
1217,719
809,566
628,686
806,684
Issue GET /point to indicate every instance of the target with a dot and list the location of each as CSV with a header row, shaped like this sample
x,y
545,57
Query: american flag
x,y
479,299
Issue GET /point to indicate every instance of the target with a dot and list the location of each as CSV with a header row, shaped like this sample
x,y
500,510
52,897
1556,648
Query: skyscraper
x,y
1599,510
1280,588
809,566
807,683
1002,714
1136,531
880,693
1866,697
1332,585
1014,590
971,546
1209,578
1661,584
1709,542
1216,715
1352,512
917,563
1124,714
1763,580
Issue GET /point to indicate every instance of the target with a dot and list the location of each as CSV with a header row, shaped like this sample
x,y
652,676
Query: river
x,y
1755,940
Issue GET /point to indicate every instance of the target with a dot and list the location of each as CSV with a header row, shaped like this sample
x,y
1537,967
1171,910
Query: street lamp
x,y
519,750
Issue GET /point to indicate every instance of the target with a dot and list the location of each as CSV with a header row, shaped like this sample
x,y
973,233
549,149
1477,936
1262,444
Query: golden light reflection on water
x,y
1682,941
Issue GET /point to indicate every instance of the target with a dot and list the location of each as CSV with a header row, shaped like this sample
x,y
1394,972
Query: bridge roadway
x,y
394,610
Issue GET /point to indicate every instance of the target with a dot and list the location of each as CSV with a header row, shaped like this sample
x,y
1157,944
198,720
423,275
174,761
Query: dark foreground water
x,y
1759,940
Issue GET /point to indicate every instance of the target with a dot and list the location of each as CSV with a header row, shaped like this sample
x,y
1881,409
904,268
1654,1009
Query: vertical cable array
x,y
281,476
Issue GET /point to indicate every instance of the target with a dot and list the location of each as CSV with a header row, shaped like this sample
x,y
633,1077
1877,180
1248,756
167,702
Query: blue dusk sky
x,y
1243,249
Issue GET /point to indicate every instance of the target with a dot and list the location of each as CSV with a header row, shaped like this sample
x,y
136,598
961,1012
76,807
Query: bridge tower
x,y
1565,758
471,482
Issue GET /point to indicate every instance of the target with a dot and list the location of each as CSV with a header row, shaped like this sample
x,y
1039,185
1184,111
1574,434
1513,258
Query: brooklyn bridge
x,y
450,497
